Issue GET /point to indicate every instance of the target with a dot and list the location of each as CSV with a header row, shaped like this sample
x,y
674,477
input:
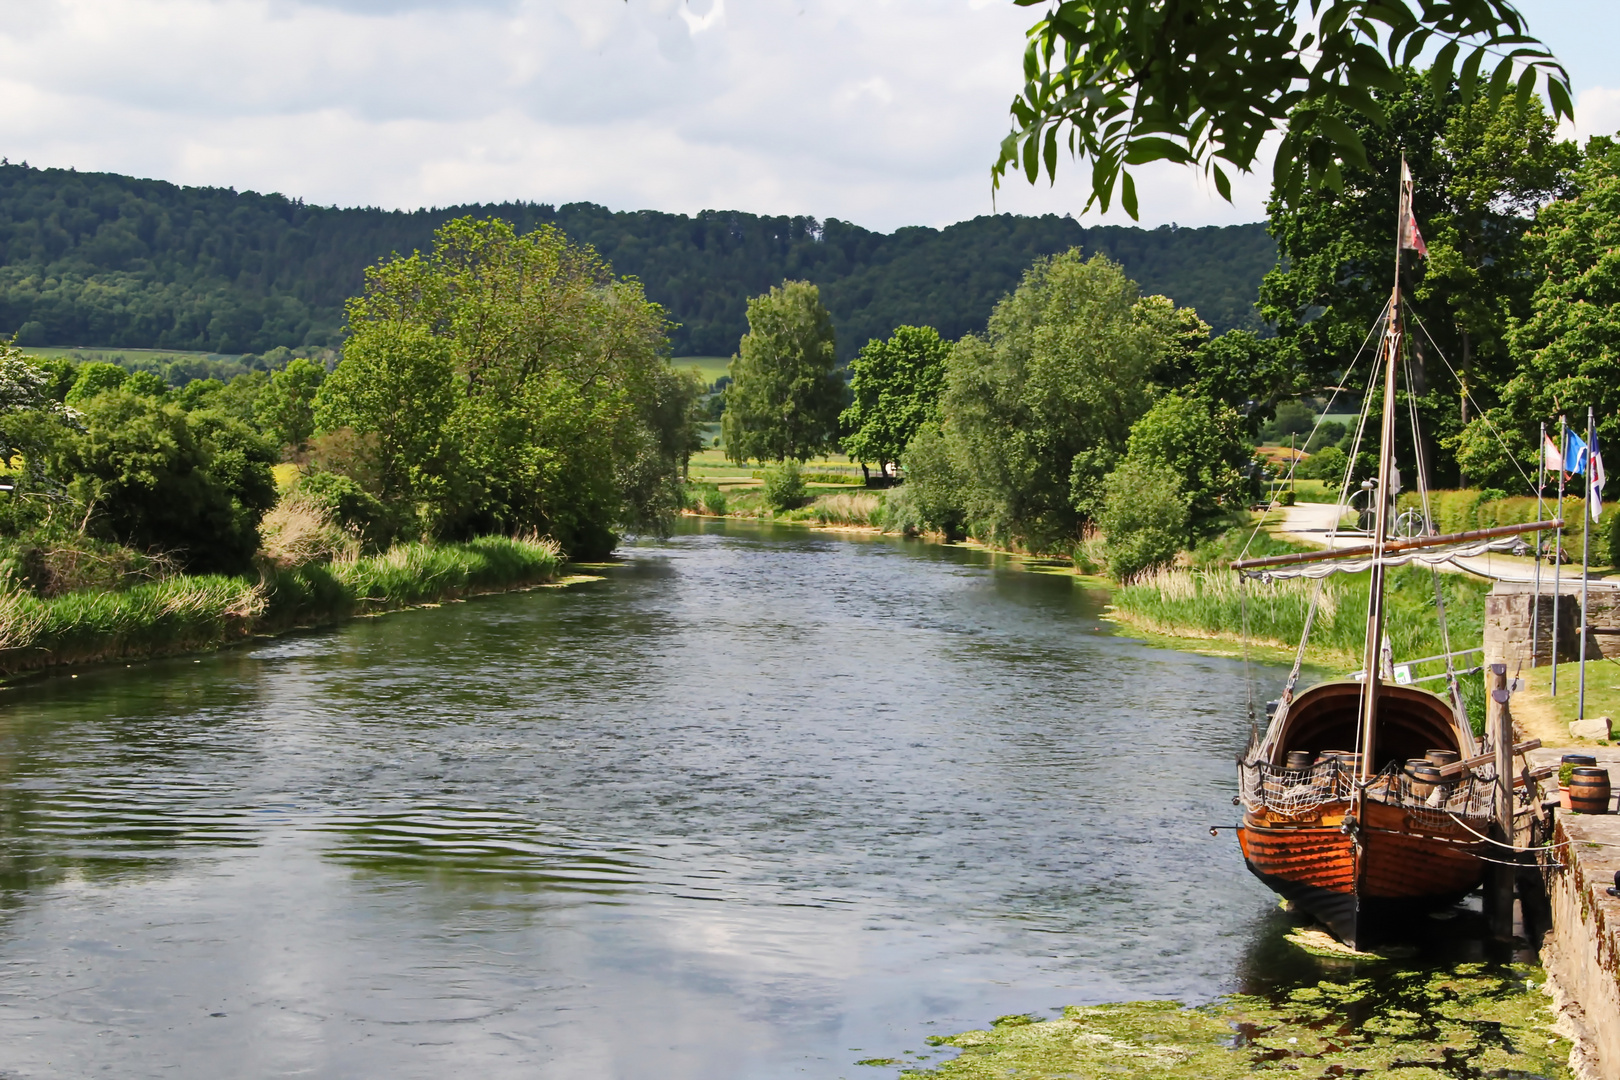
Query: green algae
x,y
1458,1023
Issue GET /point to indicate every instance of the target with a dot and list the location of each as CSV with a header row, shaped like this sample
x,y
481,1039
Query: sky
x,y
882,112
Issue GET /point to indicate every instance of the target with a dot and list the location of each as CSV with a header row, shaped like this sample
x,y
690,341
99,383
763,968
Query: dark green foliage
x,y
1203,82
1328,463
110,260
93,379
784,398
160,479
1480,173
896,386
1327,433
1291,418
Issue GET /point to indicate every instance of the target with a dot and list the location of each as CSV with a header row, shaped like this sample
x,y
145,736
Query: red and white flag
x,y
1410,237
1550,455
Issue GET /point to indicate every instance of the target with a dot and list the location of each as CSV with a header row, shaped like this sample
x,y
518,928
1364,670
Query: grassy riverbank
x,y
186,614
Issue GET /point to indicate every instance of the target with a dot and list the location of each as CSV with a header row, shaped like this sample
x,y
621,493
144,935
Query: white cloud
x,y
883,112
1597,112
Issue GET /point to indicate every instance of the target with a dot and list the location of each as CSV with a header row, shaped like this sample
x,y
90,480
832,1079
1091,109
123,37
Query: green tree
x,y
1479,173
896,386
93,379
1038,410
1144,517
156,478
784,397
1203,444
1568,348
511,382
286,408
1203,82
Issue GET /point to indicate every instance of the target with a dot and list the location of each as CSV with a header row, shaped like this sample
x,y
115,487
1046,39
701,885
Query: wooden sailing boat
x,y
1336,818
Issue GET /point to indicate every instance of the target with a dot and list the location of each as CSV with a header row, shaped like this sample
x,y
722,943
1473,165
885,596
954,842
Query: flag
x,y
1550,457
1574,454
1597,478
1410,237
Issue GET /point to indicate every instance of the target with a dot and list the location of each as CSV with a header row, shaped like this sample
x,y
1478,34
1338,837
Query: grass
x,y
185,614
1210,604
1546,717
112,355
710,367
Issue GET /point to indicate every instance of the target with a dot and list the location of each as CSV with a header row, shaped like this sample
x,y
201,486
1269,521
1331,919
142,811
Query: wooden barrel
x,y
1578,759
1589,790
1441,758
1299,759
1423,776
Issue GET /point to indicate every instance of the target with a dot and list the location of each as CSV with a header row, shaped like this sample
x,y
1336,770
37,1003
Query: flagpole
x,y
1586,552
1558,548
1535,612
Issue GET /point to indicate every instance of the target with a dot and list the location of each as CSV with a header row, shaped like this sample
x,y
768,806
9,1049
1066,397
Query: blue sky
x,y
882,112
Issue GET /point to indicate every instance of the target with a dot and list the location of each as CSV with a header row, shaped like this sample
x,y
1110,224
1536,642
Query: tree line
x,y
498,384
98,259
1084,407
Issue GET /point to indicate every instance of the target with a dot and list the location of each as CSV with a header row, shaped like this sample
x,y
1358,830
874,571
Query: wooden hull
x,y
1369,884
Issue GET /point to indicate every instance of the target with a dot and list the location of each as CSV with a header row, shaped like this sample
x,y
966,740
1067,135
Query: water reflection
x,y
761,803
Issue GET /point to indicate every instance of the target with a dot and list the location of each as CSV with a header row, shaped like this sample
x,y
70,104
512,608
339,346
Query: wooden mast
x,y
1371,668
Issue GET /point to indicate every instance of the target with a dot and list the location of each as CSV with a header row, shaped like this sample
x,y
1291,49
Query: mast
x,y
1558,547
1586,558
1541,487
1372,670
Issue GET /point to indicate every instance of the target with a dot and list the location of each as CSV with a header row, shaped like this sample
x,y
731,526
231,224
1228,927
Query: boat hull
x,y
1366,885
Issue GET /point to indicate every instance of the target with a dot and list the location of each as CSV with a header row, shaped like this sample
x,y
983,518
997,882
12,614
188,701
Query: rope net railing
x,y
1294,792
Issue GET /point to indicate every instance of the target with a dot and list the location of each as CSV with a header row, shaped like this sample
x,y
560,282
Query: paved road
x,y
1312,523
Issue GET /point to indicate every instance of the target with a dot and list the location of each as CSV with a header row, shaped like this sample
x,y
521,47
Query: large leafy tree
x,y
1038,410
1480,173
1201,442
1126,82
508,383
896,386
784,397
286,407
1568,348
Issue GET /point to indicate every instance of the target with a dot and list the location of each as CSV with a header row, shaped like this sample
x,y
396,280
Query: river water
x,y
760,803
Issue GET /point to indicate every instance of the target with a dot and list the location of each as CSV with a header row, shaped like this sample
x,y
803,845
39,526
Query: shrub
x,y
705,499
1328,463
784,486
349,506
1144,517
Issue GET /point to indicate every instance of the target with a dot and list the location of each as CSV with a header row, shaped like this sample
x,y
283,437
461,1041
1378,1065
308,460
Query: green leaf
x,y
1440,70
1558,98
1499,81
1468,81
1127,195
1345,137
1527,86
1222,184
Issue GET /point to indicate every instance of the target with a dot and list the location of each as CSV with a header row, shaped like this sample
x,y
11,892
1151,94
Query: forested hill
x,y
98,259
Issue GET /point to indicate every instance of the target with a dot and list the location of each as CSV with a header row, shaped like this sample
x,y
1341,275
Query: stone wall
x,y
1582,950
1511,606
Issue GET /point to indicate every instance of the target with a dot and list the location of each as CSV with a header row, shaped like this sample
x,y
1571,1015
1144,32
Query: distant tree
x,y
1203,82
1328,464
1038,410
784,398
93,379
1144,517
286,408
896,386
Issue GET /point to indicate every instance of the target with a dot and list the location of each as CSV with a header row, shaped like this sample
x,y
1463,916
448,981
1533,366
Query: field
x,y
711,467
114,356
710,367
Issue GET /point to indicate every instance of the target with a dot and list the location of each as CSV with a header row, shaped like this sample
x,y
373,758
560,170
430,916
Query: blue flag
x,y
1574,454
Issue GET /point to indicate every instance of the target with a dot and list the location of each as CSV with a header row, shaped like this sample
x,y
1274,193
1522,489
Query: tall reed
x,y
1210,603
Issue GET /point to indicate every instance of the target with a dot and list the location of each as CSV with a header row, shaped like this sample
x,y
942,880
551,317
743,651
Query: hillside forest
x,y
97,259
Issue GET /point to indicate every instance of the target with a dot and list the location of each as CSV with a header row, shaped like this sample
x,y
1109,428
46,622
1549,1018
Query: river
x,y
759,803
